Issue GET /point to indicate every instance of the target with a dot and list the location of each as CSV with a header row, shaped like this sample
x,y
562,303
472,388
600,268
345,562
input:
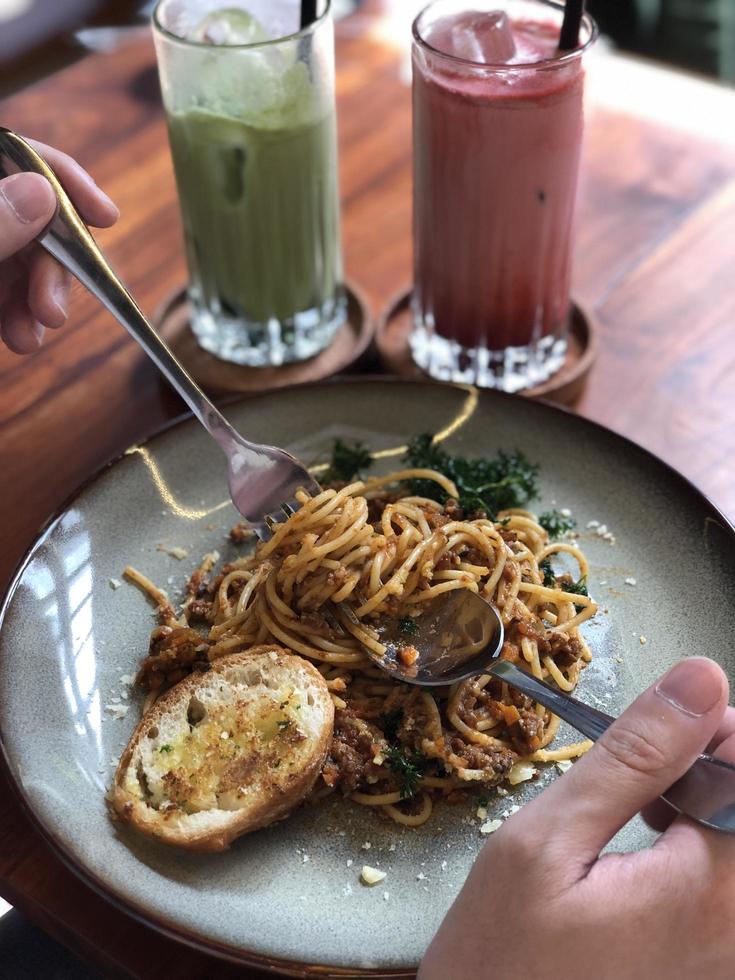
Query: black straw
x,y
569,36
308,13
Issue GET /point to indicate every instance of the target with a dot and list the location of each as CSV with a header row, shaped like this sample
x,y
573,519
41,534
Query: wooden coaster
x,y
564,387
172,319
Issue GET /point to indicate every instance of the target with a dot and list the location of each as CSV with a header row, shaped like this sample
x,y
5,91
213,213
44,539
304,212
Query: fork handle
x,y
706,791
69,240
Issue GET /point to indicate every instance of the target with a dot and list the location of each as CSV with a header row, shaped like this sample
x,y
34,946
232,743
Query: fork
x,y
262,479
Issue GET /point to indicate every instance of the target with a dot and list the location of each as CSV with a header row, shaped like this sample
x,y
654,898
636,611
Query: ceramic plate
x,y
290,896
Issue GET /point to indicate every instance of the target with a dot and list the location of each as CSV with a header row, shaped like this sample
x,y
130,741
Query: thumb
x,y
27,204
648,748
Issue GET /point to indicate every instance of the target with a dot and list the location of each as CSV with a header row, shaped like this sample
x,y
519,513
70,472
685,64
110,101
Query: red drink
x,y
498,124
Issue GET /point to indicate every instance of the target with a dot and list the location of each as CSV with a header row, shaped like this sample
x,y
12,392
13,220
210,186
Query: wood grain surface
x,y
654,260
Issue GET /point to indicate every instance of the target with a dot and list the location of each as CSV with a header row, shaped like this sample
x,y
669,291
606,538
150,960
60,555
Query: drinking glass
x,y
497,132
249,99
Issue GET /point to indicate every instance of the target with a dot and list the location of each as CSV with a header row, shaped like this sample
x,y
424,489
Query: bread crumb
x,y
564,765
521,772
642,640
175,551
115,583
371,876
482,812
367,845
386,896
118,711
491,826
630,581
502,791
509,813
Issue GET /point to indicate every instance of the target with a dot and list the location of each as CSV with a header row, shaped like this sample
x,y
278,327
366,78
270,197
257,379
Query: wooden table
x,y
656,243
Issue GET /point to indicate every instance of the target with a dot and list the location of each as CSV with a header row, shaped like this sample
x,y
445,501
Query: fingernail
x,y
60,296
692,686
21,191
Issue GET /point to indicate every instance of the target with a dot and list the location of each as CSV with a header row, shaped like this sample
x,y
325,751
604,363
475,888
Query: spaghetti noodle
x,y
396,747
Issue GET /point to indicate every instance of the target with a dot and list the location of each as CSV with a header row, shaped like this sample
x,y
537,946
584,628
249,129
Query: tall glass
x,y
497,124
250,105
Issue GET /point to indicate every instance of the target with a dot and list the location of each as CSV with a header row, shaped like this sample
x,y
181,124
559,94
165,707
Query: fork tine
x,y
331,619
288,508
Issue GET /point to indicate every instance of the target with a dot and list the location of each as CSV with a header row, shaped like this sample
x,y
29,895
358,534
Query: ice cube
x,y
485,38
231,25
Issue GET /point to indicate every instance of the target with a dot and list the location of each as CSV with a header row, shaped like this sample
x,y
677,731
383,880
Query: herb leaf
x,y
556,523
577,588
166,748
548,573
347,461
408,767
490,485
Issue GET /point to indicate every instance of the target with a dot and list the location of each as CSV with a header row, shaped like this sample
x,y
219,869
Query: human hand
x,y
34,288
540,902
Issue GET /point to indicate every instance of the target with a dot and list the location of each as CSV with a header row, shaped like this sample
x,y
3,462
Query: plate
x,y
288,897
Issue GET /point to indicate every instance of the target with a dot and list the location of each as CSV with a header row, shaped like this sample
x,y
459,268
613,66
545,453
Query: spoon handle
x,y
706,791
69,240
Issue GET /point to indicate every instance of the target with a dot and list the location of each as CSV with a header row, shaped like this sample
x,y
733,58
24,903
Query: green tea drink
x,y
253,141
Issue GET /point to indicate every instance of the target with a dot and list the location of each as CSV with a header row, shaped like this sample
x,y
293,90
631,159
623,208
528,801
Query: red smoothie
x,y
497,118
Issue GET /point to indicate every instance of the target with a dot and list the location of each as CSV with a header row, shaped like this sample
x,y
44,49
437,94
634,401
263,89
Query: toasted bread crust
x,y
214,830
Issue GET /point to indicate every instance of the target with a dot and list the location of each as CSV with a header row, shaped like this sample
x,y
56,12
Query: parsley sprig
x,y
490,485
556,523
348,461
408,767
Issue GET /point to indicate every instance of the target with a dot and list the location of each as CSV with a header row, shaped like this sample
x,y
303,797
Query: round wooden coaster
x,y
351,340
564,387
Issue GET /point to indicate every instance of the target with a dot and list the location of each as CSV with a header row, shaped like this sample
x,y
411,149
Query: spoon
x,y
460,635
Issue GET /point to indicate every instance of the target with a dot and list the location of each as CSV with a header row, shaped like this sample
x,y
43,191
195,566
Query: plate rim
x,y
161,924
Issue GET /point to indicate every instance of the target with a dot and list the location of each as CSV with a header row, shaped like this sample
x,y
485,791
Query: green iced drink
x,y
253,142
259,211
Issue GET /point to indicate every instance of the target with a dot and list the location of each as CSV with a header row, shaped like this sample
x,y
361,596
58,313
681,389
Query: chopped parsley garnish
x,y
556,523
489,485
347,461
408,767
549,578
166,748
577,588
391,722
408,626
